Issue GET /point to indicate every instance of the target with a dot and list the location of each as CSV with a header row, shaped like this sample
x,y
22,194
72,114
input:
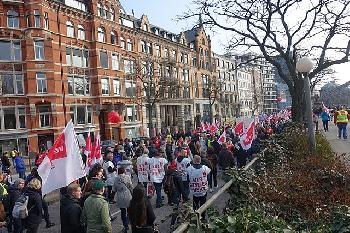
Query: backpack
x,y
20,210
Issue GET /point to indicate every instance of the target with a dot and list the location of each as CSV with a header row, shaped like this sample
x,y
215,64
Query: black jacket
x,y
150,221
34,207
14,193
70,212
225,159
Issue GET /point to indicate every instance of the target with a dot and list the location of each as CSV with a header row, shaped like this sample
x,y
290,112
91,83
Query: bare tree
x,y
157,84
286,28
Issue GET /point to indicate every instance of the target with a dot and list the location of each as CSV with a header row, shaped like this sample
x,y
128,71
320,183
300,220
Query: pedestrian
x,y
20,166
5,163
325,119
13,155
225,158
182,162
96,173
198,177
341,119
213,158
142,164
126,164
157,173
140,211
70,210
35,208
13,193
95,215
110,169
123,186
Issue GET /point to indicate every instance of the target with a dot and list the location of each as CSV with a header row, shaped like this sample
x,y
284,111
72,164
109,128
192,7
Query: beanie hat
x,y
98,185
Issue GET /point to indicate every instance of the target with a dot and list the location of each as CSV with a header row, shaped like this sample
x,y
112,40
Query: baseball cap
x,y
98,185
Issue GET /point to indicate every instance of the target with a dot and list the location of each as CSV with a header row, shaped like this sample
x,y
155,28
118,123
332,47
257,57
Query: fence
x,y
183,227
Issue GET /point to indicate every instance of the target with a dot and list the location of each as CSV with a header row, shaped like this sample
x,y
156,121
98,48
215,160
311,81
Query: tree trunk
x,y
297,95
150,121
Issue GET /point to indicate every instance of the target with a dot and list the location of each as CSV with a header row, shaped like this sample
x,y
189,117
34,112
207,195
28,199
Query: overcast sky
x,y
163,14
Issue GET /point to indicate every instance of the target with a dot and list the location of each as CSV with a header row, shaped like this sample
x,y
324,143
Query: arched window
x,y
108,13
113,38
70,29
99,9
129,44
112,13
12,19
101,34
81,32
105,12
122,42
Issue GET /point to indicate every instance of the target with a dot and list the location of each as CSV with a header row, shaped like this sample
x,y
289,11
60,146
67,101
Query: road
x,y
340,146
162,214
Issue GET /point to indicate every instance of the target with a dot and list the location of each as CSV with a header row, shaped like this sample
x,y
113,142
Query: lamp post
x,y
304,66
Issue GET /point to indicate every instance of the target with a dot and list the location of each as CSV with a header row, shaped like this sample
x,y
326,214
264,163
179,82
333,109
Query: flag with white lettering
x,y
88,153
63,163
239,128
248,137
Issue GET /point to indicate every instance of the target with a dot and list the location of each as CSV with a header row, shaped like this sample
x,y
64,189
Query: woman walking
x,y
140,211
123,186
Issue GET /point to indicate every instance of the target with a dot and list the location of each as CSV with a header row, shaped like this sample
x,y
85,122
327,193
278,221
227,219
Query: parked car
x,y
107,143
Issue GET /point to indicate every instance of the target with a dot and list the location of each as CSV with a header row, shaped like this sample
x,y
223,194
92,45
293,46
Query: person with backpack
x,y
70,210
14,192
34,206
123,186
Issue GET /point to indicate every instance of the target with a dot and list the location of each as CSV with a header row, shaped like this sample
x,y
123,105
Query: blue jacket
x,y
325,116
20,166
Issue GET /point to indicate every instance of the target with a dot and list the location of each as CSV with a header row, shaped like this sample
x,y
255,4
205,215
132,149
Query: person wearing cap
x,y
157,166
95,214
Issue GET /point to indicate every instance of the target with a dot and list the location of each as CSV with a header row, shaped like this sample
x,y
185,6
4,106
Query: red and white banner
x,y
88,153
63,163
248,137
205,126
213,128
222,138
96,150
239,128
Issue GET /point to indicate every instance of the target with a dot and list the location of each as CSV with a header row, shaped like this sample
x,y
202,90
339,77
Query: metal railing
x,y
183,227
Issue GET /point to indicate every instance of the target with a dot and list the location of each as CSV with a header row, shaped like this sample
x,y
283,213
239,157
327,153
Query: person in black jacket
x,y
140,212
225,158
32,222
14,192
70,210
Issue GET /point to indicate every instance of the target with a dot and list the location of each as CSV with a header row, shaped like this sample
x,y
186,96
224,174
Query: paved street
x,y
162,214
341,147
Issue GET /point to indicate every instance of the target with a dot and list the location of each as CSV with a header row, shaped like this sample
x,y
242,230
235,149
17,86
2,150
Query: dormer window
x,y
192,45
156,31
145,27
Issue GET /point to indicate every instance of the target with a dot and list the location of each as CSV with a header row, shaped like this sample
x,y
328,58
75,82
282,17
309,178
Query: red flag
x,y
88,152
213,128
96,150
248,137
239,128
205,126
222,138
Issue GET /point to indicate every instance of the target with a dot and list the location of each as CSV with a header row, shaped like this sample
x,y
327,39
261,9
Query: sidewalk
x,y
340,146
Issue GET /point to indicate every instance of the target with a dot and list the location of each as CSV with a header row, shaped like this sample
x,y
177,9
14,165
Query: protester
x,y
341,119
157,173
20,166
225,158
13,193
325,119
70,210
198,177
123,186
142,164
32,222
213,158
182,162
140,211
127,165
110,169
95,213
5,163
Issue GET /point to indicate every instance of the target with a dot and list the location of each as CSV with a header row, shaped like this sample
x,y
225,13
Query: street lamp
x,y
304,66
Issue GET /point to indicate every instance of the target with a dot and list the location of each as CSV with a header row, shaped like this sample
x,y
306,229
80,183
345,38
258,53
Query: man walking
x,y
198,178
341,119
96,212
70,210
157,172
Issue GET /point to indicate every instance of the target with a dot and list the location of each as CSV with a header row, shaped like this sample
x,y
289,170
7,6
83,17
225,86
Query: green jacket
x,y
96,215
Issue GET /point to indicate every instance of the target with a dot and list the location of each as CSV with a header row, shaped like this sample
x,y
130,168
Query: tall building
x,y
284,98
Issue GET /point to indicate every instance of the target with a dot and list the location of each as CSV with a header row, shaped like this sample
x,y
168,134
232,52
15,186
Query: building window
x,y
39,50
166,53
104,59
186,77
77,4
194,61
10,51
21,117
112,13
113,38
45,116
130,89
10,118
81,32
105,86
145,27
158,53
78,85
122,43
41,83
129,44
143,46
130,114
12,19
128,66
173,55
101,34
186,93
115,61
116,87
82,114
11,84
77,57
100,11
37,16
46,20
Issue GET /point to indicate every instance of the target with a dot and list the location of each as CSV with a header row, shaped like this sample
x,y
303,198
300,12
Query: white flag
x,y
63,163
248,137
